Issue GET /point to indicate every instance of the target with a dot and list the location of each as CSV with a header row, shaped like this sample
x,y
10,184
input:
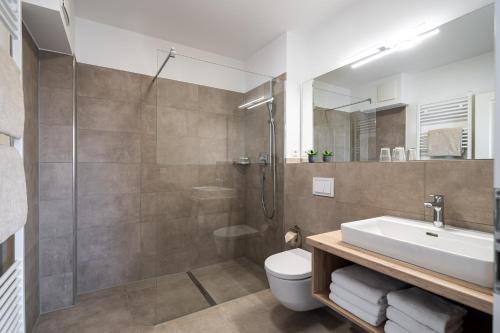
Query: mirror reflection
x,y
429,96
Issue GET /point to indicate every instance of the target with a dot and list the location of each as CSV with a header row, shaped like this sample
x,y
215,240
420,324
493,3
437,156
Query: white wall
x,y
103,45
353,29
269,60
329,96
457,79
70,28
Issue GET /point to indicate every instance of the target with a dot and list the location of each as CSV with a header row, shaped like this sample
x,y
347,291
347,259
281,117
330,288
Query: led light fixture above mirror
x,y
401,45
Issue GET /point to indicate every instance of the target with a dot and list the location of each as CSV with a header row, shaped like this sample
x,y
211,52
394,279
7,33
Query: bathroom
x,y
320,166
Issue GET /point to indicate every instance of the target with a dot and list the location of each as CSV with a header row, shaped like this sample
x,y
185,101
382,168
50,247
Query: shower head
x,y
172,53
256,102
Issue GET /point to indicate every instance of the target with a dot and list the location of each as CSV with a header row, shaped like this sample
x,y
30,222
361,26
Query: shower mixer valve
x,y
264,158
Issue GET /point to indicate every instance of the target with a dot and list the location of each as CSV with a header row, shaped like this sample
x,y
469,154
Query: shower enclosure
x,y
173,175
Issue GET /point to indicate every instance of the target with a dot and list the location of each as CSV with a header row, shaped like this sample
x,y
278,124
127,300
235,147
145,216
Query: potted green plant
x,y
311,154
327,156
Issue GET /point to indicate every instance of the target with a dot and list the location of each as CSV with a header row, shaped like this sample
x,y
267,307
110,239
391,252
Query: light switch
x,y
323,187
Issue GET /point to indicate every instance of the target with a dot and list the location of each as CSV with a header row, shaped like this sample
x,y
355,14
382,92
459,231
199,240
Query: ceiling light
x,y
363,55
374,57
402,45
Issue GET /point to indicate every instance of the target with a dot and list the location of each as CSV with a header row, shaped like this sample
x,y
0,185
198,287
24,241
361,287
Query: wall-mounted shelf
x,y
330,253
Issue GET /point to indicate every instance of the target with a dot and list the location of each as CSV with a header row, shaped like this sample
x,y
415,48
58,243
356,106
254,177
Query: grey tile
x,y
168,178
174,122
175,234
213,151
107,272
261,312
56,181
107,209
56,106
214,100
177,296
109,242
210,320
56,292
148,118
56,218
106,146
56,255
231,279
141,303
149,237
213,126
107,83
148,148
173,150
467,187
104,178
108,115
56,143
149,90
396,186
177,94
172,204
56,70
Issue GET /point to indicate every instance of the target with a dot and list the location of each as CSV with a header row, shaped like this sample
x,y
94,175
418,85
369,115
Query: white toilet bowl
x,y
289,276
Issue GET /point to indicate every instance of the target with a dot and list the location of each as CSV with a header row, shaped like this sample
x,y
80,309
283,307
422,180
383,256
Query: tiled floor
x,y
231,279
153,301
258,312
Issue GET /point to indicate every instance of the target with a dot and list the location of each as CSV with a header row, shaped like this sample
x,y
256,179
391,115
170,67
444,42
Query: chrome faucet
x,y
438,205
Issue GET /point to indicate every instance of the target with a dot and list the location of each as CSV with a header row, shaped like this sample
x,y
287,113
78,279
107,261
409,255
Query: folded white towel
x,y
369,318
426,308
11,96
371,308
411,325
369,285
445,142
13,197
392,327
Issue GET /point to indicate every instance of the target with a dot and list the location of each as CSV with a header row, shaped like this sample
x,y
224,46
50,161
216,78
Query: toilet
x,y
289,276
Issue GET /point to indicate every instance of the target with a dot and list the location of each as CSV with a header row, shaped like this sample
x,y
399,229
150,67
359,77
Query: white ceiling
x,y
233,28
463,38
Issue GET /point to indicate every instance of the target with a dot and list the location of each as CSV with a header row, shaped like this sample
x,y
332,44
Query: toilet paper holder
x,y
293,237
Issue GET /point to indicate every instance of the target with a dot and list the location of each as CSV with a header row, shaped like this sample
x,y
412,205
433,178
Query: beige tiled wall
x,y
370,189
56,180
145,152
256,131
31,244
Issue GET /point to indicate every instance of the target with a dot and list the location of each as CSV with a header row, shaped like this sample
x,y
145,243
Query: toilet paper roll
x,y
290,236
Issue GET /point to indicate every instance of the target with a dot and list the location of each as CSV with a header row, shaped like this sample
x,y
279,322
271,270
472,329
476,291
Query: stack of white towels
x,y
417,311
363,292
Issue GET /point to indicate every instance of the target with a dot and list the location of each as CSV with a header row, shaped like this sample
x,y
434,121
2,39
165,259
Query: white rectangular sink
x,y
464,254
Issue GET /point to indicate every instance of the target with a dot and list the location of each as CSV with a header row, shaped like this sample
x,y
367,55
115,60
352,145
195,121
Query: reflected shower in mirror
x,y
431,93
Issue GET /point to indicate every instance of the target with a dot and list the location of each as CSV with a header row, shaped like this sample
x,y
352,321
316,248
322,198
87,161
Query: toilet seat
x,y
290,265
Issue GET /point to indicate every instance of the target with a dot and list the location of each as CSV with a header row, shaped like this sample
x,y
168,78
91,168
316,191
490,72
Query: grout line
x,y
202,289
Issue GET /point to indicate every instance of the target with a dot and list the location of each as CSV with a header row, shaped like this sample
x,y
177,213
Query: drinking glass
x,y
412,154
398,154
385,154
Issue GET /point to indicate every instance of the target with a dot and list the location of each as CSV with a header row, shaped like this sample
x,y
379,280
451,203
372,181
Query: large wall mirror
x,y
430,96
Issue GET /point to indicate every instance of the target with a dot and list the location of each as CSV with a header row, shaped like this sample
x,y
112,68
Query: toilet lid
x,y
290,265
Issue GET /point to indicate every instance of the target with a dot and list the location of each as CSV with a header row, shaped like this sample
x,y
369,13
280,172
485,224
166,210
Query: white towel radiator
x,y
450,113
12,299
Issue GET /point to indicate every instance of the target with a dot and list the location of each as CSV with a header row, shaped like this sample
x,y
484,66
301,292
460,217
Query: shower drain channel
x,y
202,289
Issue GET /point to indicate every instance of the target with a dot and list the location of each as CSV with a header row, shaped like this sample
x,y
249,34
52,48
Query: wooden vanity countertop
x,y
464,292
